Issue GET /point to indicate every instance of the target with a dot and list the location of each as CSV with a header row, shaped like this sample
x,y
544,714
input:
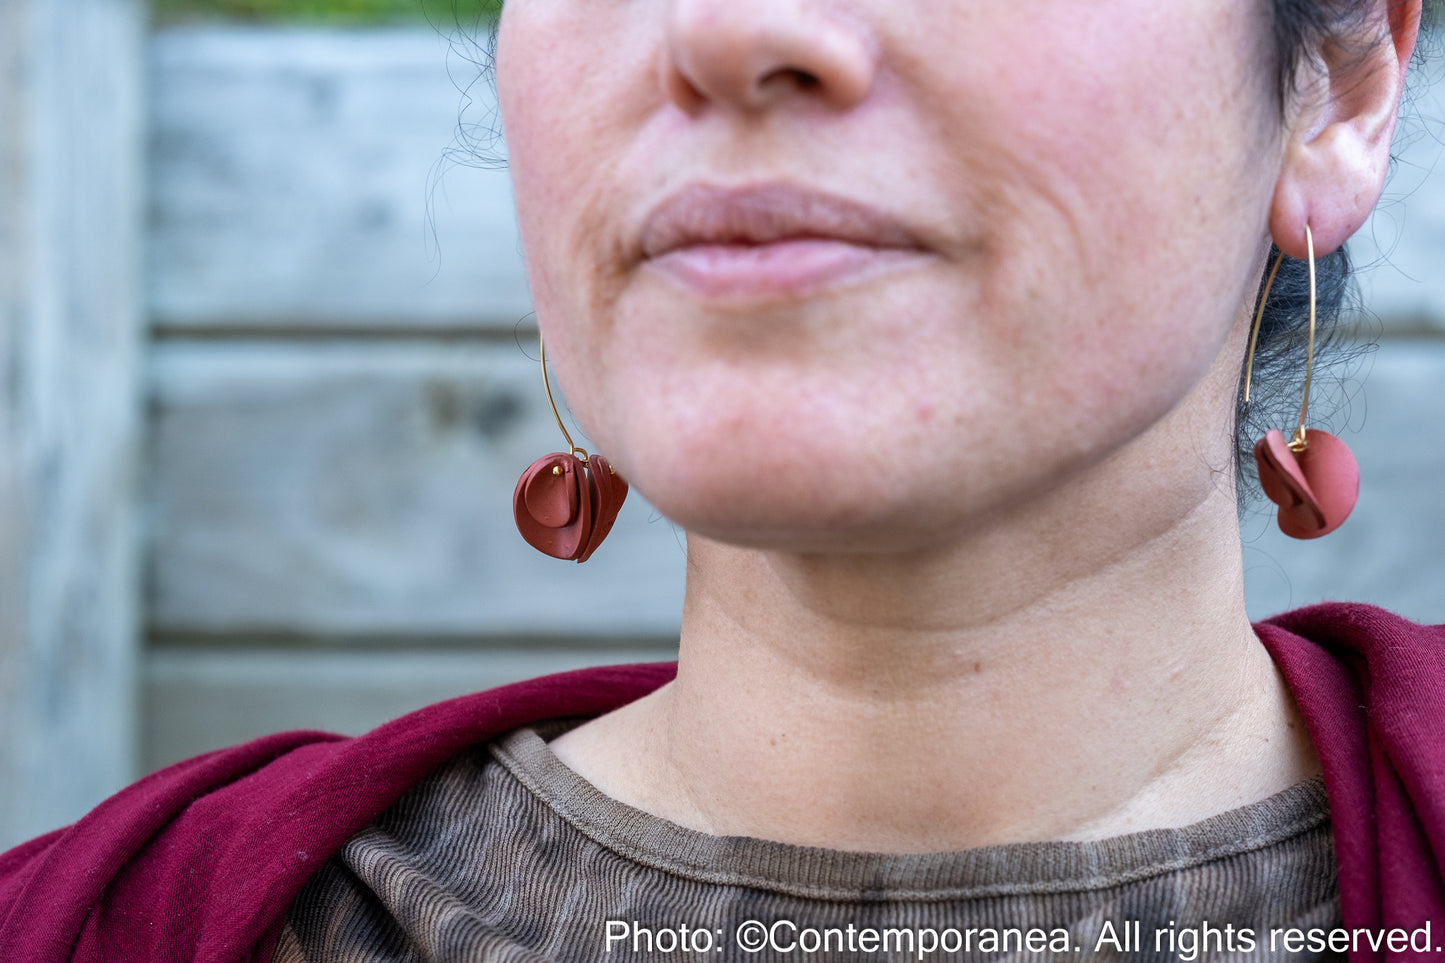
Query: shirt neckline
x,y
817,873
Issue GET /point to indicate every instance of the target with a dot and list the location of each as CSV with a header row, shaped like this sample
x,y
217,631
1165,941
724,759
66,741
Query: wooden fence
x,y
340,390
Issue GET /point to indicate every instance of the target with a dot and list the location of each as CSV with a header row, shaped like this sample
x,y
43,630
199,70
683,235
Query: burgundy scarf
x,y
200,861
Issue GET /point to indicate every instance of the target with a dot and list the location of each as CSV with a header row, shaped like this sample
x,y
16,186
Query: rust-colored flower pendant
x,y
565,507
1315,489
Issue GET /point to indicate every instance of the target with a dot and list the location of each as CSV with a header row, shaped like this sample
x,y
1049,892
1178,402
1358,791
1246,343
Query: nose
x,y
749,55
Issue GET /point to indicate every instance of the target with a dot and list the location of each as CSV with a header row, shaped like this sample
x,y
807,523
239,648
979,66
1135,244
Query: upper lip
x,y
762,214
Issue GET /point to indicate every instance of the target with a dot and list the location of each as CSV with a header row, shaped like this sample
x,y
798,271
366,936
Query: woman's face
x,y
848,273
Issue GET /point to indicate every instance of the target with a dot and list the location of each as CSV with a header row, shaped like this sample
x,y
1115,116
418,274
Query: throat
x,y
1134,697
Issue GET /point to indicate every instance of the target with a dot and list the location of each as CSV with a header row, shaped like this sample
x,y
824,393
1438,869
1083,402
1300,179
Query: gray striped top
x,y
507,854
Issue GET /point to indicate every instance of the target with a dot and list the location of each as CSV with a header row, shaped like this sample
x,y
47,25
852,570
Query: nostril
x,y
799,78
784,82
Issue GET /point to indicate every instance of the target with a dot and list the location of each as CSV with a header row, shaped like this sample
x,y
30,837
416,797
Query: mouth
x,y
771,241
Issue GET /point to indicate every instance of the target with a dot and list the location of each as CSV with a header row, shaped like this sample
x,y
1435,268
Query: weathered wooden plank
x,y
15,309
70,335
197,700
1389,552
290,184
366,489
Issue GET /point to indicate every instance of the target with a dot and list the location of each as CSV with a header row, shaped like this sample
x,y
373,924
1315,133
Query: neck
x,y
1071,672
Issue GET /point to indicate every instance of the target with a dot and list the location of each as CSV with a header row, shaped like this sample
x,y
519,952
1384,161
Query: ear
x,y
1338,147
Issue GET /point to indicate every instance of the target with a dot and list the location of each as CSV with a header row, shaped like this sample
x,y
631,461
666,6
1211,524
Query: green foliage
x,y
464,12
337,12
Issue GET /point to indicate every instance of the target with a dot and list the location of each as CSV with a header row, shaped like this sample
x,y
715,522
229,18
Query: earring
x,y
565,502
1313,478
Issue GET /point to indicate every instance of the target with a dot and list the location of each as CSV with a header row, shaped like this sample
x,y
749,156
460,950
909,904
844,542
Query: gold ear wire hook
x,y
571,445
1300,442
1258,318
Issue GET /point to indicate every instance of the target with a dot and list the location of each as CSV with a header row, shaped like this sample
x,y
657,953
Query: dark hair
x,y
1300,26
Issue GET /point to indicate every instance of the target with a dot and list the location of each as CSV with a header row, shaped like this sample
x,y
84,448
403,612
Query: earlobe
x,y
1331,183
1338,151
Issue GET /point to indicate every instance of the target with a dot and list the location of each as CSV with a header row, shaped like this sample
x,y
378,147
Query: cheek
x,y
1128,183
570,95
539,107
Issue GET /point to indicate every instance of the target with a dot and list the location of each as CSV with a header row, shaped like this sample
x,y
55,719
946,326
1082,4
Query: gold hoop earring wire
x,y
1300,441
571,445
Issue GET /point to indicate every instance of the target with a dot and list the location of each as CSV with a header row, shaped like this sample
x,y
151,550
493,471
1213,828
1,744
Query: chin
x,y
803,508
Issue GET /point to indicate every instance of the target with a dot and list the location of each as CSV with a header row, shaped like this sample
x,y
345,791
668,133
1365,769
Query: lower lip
x,y
782,268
